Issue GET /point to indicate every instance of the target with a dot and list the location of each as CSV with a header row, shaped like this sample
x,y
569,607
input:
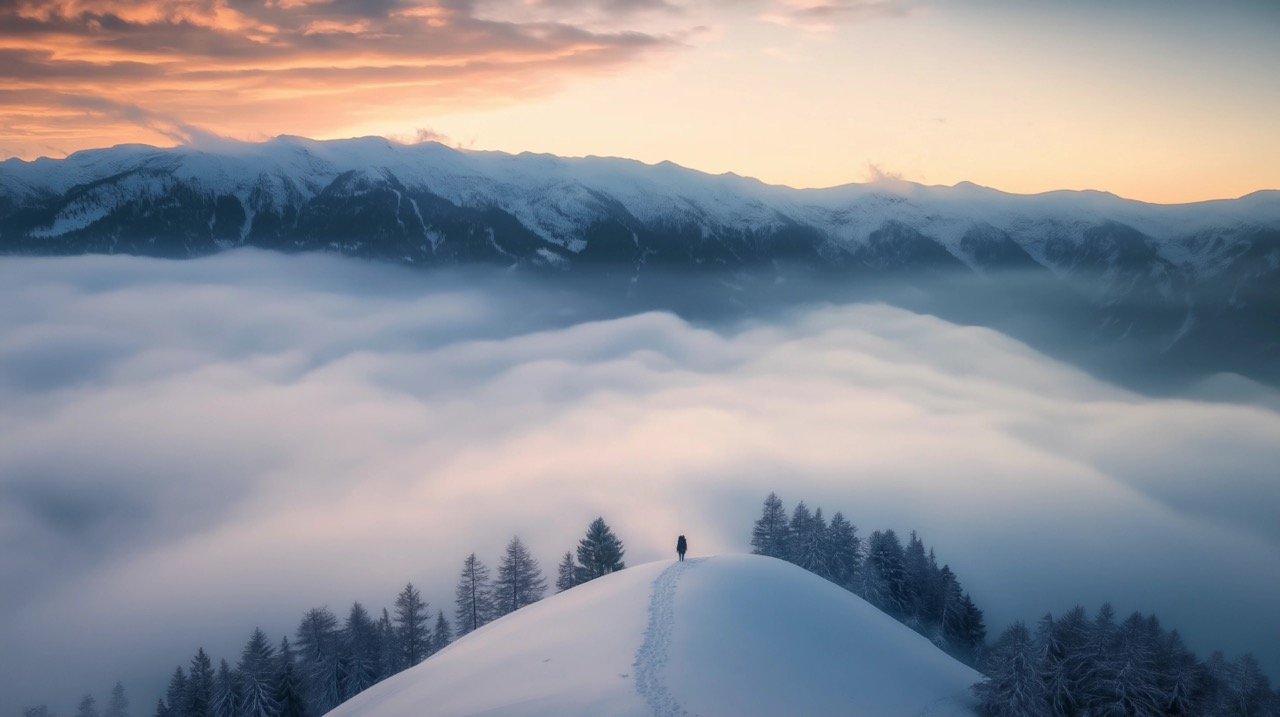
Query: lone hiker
x,y
681,546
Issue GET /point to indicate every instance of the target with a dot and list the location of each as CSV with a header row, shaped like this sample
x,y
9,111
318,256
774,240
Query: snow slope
x,y
737,636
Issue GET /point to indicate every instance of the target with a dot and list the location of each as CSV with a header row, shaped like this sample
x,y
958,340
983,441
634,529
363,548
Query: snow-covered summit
x,y
739,636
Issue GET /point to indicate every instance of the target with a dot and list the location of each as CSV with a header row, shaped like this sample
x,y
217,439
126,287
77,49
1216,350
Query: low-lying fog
x,y
192,449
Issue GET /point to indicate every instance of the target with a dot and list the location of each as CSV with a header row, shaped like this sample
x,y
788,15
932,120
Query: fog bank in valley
x,y
192,449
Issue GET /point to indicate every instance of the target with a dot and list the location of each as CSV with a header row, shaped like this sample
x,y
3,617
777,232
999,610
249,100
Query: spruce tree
x,y
800,531
364,652
442,635
915,582
288,689
162,710
474,596
885,560
519,581
770,534
599,552
1012,687
257,668
810,543
566,573
175,697
118,704
88,707
389,648
199,693
413,635
226,692
845,549
320,660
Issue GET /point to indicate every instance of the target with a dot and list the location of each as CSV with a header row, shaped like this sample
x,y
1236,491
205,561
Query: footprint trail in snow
x,y
654,652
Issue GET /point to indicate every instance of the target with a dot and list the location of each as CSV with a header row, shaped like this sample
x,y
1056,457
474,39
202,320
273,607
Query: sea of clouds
x,y
192,449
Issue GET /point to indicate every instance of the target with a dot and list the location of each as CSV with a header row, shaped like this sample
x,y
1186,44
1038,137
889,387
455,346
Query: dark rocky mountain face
x,y
1194,289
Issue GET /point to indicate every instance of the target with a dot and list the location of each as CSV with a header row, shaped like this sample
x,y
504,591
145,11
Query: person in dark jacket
x,y
681,546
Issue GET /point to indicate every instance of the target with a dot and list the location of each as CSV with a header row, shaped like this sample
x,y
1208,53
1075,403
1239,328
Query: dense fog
x,y
192,449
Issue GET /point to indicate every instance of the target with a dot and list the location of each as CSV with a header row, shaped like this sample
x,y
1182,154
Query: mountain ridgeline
x,y
1193,288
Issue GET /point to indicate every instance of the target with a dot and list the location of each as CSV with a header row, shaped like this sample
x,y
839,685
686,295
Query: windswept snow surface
x,y
737,636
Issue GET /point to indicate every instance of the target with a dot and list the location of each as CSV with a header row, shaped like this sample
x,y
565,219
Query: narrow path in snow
x,y
653,654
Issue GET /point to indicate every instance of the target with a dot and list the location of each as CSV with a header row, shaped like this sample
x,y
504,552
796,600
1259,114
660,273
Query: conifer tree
x,y
519,581
915,582
566,573
1012,687
199,692
599,552
845,548
389,647
118,703
88,707
226,692
364,652
810,542
474,596
413,635
770,534
257,668
442,635
37,711
1187,677
885,558
162,710
974,627
320,660
799,532
289,690
175,697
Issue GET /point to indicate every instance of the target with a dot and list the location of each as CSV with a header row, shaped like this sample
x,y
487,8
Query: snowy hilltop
x,y
737,636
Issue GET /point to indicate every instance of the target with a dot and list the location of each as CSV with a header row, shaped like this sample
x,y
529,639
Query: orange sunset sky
x,y
1165,101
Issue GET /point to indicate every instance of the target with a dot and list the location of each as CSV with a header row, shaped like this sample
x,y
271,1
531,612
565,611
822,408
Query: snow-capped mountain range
x,y
1192,274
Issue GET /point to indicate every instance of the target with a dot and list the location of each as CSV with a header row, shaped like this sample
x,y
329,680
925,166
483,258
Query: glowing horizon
x,y
1161,102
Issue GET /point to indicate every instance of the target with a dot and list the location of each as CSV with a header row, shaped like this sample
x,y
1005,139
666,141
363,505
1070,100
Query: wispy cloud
x,y
170,66
829,14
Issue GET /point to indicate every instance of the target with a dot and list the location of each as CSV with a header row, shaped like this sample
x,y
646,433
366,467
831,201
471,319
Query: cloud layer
x,y
191,449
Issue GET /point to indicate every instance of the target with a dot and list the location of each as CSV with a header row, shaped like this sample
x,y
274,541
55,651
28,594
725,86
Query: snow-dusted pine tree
x,y
320,660
226,692
566,573
364,652
199,693
288,692
844,558
88,707
442,635
175,697
1012,687
388,647
770,534
474,596
519,580
413,635
885,560
599,552
257,668
118,703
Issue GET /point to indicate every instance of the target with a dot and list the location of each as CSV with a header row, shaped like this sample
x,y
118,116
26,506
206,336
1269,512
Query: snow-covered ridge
x,y
559,199
738,636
